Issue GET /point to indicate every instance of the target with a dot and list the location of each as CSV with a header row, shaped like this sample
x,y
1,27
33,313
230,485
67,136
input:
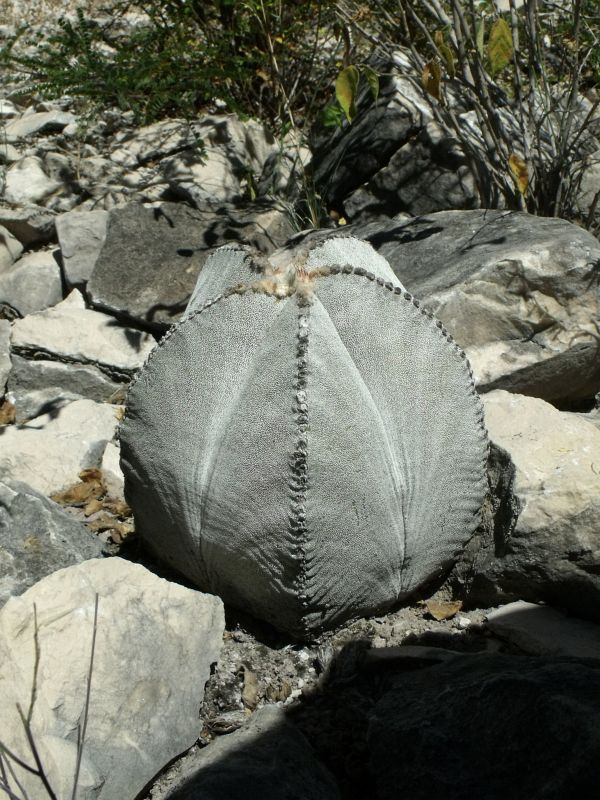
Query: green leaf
x,y
445,52
480,36
346,85
500,47
372,79
331,116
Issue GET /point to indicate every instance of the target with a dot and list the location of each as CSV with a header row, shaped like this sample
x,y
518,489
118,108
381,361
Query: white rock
x,y
7,109
26,182
155,643
50,451
542,630
112,473
33,283
546,545
8,153
81,235
44,121
5,364
10,249
71,331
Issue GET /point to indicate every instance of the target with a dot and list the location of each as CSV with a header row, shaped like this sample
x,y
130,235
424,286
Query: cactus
x,y
307,443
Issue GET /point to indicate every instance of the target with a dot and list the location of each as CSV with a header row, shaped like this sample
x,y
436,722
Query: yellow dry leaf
x,y
440,610
8,413
431,78
518,169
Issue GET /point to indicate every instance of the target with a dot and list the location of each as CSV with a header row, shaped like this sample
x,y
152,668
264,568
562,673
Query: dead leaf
x,y
250,690
440,610
80,494
117,507
431,78
93,506
8,413
519,171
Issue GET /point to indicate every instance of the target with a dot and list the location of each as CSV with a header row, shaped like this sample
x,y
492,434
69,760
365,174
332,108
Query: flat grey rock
x,y
40,385
489,726
32,225
148,266
33,283
73,333
155,644
81,235
10,249
518,292
49,452
37,402
267,758
542,542
37,538
542,630
36,123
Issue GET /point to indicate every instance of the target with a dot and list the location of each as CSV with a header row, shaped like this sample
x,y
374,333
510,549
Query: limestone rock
x,y
39,385
155,643
468,726
40,122
33,283
50,451
267,757
37,538
5,364
27,182
32,225
148,266
81,235
71,332
112,473
10,249
544,543
542,630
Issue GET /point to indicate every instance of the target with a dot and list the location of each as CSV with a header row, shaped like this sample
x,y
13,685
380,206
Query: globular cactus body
x,y
307,443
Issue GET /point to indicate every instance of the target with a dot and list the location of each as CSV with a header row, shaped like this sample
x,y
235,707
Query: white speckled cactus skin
x,y
306,443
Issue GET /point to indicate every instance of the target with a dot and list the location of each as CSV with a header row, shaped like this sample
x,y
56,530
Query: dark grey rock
x,y
32,225
148,266
266,758
37,538
428,173
39,385
489,726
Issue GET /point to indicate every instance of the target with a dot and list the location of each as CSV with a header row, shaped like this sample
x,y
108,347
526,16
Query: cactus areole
x,y
307,442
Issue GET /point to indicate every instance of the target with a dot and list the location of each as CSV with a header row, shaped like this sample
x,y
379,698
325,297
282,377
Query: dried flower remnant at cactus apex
x,y
307,442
